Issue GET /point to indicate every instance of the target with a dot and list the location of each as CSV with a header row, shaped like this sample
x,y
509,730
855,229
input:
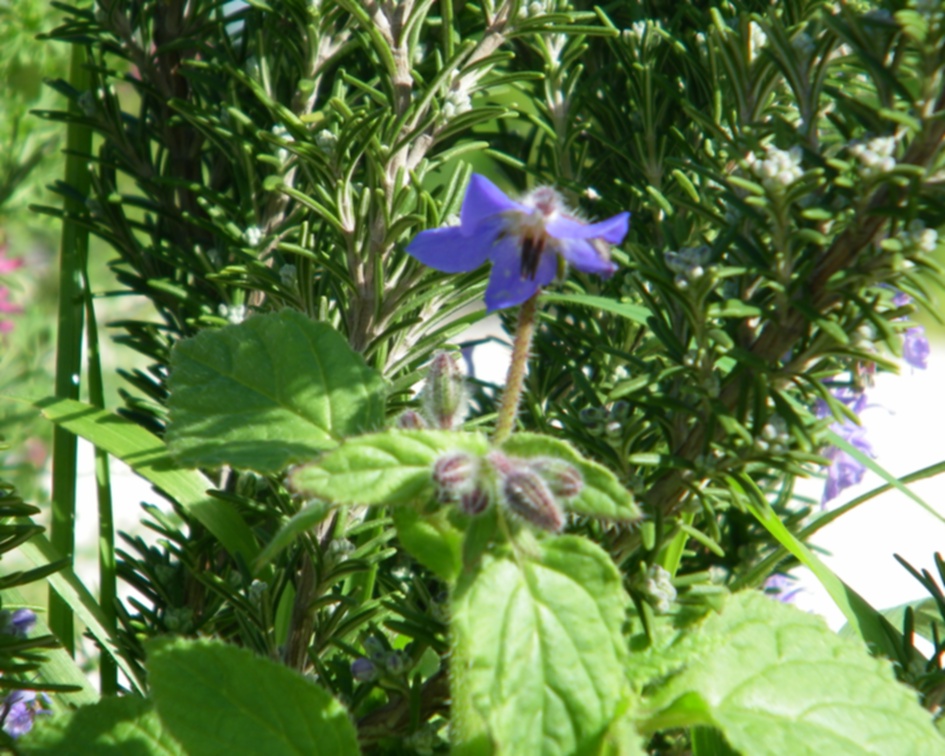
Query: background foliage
x,y
255,173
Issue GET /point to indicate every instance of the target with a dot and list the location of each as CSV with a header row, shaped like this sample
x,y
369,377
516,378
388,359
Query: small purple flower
x,y
782,588
845,471
18,710
900,298
523,241
364,670
915,344
915,347
17,623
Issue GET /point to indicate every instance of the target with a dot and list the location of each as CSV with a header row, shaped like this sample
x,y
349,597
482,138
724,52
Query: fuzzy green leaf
x,y
603,495
432,539
538,656
113,725
775,680
383,468
272,391
218,700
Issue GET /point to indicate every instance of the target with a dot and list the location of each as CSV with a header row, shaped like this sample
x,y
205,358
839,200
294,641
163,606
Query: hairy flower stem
x,y
516,377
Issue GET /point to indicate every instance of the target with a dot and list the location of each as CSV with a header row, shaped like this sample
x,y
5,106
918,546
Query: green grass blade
x,y
147,455
766,565
73,250
107,568
80,603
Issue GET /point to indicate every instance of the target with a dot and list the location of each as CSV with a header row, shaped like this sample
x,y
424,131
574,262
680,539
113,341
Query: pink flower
x,y
7,307
7,264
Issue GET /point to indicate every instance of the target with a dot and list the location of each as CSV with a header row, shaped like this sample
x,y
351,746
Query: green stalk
x,y
73,249
512,395
107,571
361,584
671,557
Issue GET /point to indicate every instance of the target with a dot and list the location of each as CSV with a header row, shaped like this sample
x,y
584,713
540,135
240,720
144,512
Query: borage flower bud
x,y
563,478
527,495
444,393
592,418
397,662
474,502
411,420
455,475
500,463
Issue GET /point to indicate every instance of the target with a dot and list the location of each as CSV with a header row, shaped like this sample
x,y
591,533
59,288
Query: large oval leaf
x,y
126,725
219,700
777,681
272,391
537,664
383,468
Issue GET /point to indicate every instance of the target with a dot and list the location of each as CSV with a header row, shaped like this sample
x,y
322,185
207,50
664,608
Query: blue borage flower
x,y
523,241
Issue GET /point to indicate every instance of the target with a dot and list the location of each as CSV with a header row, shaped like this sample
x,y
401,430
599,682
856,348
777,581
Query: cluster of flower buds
x,y
457,100
774,437
326,140
531,489
876,156
379,660
917,239
443,399
459,479
777,168
689,264
657,588
606,421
